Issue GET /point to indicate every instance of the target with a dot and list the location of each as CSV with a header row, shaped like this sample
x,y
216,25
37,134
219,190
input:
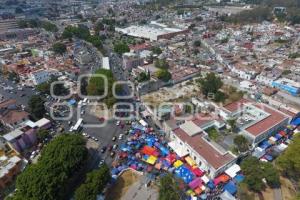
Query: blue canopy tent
x,y
72,102
239,178
264,144
231,187
296,121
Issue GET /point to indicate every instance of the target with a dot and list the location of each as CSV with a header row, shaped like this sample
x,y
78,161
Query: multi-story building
x,y
39,76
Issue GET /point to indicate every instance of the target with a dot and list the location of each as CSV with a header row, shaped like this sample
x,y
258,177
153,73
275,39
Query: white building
x,y
105,63
39,76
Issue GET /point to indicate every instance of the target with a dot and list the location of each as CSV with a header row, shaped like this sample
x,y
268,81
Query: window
x,y
195,158
180,143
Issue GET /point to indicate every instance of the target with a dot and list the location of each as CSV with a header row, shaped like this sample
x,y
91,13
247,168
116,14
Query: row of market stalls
x,y
273,146
148,152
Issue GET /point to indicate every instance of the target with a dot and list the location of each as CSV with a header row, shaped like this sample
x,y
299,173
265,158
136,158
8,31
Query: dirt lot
x,y
124,181
287,189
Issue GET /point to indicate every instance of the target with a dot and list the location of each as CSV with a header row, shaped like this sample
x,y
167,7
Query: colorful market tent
x,y
296,121
233,170
190,161
195,183
178,163
149,151
198,172
239,178
227,196
231,187
171,158
151,160
264,144
205,179
223,178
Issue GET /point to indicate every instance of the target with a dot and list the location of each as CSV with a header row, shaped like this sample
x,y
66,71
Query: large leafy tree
x,y
94,184
289,161
49,178
255,171
36,106
163,74
241,143
210,84
59,48
168,189
121,47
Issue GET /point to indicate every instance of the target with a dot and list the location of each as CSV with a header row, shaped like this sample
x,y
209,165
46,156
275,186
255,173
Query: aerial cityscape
x,y
150,99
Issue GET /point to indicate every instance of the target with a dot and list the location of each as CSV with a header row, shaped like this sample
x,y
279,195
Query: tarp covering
x,y
233,170
230,187
239,178
205,179
264,145
171,158
190,161
195,183
149,151
198,172
296,121
151,160
221,179
227,196
178,163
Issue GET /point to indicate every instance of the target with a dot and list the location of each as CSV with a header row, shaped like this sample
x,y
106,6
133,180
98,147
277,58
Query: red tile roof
x,y
264,125
234,106
14,116
204,149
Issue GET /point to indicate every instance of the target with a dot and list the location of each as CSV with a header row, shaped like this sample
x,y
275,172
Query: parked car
x,y
110,147
115,146
112,154
114,138
101,162
103,149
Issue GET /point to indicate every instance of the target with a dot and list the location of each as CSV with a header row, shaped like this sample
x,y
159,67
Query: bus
x,y
78,125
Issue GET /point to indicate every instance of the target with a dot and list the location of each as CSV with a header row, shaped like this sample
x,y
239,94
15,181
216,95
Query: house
x,y
25,136
9,168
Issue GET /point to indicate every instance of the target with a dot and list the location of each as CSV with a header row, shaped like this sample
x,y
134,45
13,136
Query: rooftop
x,y
214,157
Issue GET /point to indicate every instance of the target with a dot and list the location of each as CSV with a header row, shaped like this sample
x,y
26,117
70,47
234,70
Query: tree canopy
x,y
94,184
59,48
36,106
121,47
49,178
82,33
210,84
163,74
161,63
96,86
168,189
241,143
255,171
35,23
289,161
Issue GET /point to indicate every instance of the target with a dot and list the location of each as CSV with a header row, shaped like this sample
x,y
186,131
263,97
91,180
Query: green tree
x,y
94,184
143,76
161,63
59,48
42,135
121,47
197,43
36,106
156,50
49,178
255,171
232,124
168,188
163,74
210,84
289,162
241,143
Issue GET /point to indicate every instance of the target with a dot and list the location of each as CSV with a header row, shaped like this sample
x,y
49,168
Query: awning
x,y
190,161
233,170
205,179
178,149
